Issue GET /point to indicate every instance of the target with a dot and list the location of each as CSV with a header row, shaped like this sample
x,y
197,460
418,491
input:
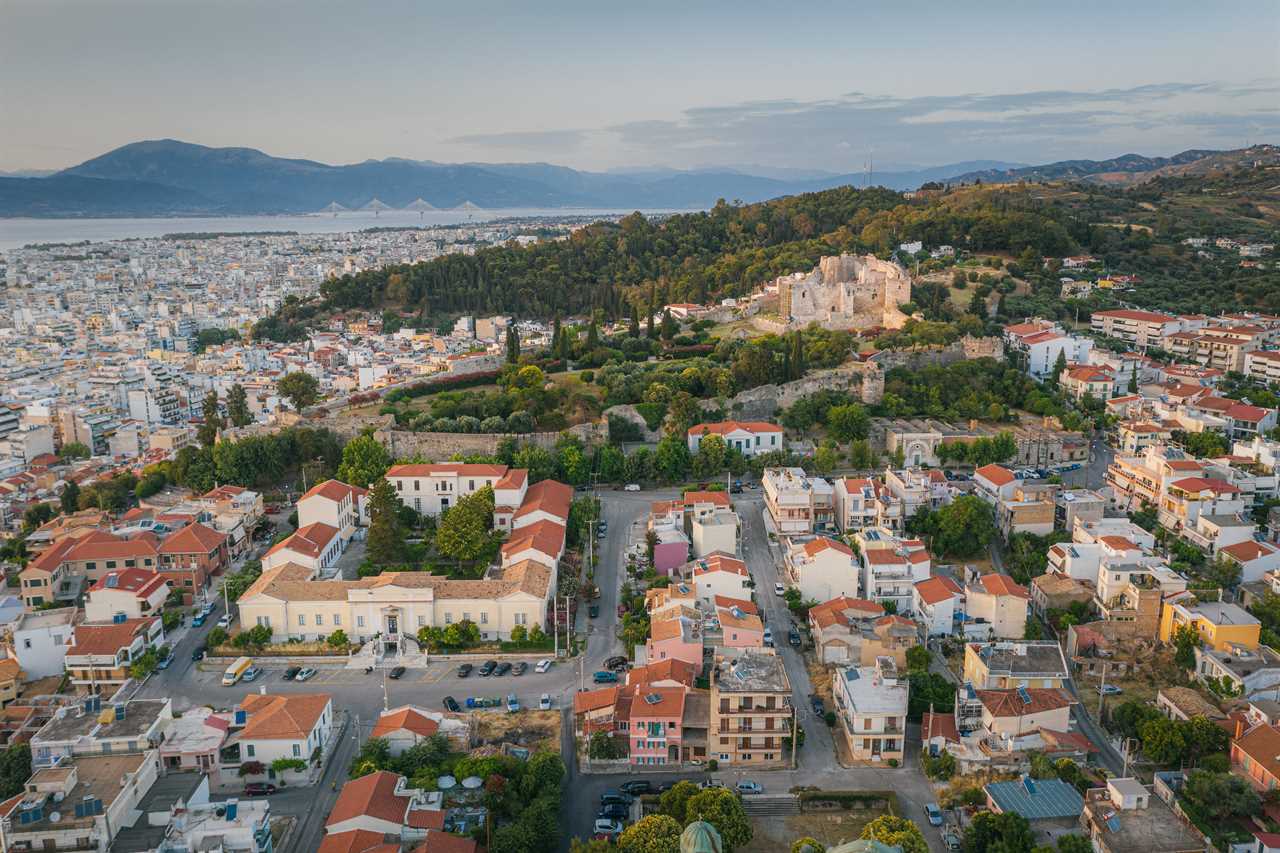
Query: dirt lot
x,y
533,730
830,828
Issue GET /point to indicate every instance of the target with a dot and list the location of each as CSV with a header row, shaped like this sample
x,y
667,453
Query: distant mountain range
x,y
168,178
1125,169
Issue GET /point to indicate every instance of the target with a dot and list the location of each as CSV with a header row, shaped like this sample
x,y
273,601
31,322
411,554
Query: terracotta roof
x,y
998,584
1248,550
290,717
424,819
1127,314
515,478
670,704
671,669
406,719
438,841
372,795
740,603
997,475
107,638
140,582
835,611
193,539
718,561
665,628
447,469
726,427
884,557
1262,744
1247,413
334,490
100,545
351,841
1009,703
545,537
53,556
717,498
547,496
747,621
594,700
939,725
1203,484
220,492
10,669
937,588
310,541
816,546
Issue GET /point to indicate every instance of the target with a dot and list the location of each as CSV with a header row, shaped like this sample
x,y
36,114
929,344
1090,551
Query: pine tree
x,y
1058,366
555,338
513,344
668,326
593,336
635,322
70,498
238,406
797,356
648,329
386,540
208,433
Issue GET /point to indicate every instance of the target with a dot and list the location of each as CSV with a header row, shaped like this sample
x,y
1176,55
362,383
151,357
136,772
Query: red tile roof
x,y
1009,703
998,584
1248,550
100,545
334,490
107,638
445,842
937,588
547,496
405,719
290,717
447,469
515,478
372,795
310,541
717,498
726,427
140,582
1205,484
193,539
816,546
545,537
351,841
1127,314
997,475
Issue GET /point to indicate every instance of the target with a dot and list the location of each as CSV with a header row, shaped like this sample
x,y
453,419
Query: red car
x,y
259,789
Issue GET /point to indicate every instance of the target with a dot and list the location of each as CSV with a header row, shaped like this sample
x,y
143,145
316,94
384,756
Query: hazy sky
x,y
805,85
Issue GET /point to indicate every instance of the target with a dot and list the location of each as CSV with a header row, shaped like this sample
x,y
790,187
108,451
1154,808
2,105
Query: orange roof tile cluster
x,y
814,547
405,719
447,469
290,717
1205,484
310,541
372,796
1129,314
515,478
140,582
998,584
334,490
547,496
107,638
1010,703
356,841
100,545
1248,550
703,497
997,475
671,669
545,537
837,611
438,841
726,427
193,539
937,588
718,561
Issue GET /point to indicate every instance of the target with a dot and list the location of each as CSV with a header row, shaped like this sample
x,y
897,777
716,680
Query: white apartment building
x,y
822,569
871,704
135,593
1041,342
267,728
788,496
335,504
431,489
1140,328
41,639
891,567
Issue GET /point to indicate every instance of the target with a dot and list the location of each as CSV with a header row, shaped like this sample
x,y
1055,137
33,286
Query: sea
x,y
16,233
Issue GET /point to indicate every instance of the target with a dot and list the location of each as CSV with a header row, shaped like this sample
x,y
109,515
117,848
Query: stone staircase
x,y
771,806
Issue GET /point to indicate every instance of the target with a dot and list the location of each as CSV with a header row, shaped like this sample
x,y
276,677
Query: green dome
x,y
700,837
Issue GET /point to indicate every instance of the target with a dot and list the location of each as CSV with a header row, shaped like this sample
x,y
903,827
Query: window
x,y
473,485
111,564
417,485
319,619
26,644
466,617
448,619
359,621
422,620
264,621
302,619
249,750
522,618
297,751
337,619
484,618
399,485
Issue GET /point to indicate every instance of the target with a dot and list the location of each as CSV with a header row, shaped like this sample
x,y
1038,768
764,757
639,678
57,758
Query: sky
x,y
812,86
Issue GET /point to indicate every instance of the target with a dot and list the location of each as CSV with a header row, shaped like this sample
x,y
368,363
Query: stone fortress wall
x,y
846,292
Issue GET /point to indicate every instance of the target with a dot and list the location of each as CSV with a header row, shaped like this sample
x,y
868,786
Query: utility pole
x,y
555,625
794,738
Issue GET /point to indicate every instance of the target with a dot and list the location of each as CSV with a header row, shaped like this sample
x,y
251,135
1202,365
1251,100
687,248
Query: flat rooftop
x,y
75,723
96,776
1154,829
753,672
1022,658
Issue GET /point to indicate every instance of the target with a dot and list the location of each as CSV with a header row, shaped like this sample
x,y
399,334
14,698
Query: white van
x,y
236,671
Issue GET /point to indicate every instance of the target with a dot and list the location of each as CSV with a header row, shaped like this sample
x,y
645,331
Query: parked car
x,y
305,675
225,622
544,704
487,668
615,662
612,796
604,677
513,704
503,668
543,665
815,702
746,786
198,653
778,589
934,813
520,668
250,674
606,826
164,662
593,610
1109,690
617,811
396,673
198,620
793,637
768,638
636,787
465,670
451,705
291,673
631,487
259,789
736,488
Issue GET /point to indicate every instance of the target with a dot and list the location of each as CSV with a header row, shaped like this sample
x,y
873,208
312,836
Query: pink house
x,y
671,548
740,623
675,636
654,725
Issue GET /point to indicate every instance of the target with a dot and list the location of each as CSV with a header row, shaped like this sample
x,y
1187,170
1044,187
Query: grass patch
x,y
771,834
533,730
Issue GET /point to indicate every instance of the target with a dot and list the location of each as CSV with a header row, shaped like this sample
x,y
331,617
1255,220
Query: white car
x,y
225,622
606,826
542,666
768,638
545,702
777,589
631,487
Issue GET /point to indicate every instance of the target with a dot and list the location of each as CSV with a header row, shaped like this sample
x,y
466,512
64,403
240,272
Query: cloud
x,y
839,133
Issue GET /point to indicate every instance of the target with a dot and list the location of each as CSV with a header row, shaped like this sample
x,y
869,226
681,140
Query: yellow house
x,y
1220,625
1006,665
10,680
